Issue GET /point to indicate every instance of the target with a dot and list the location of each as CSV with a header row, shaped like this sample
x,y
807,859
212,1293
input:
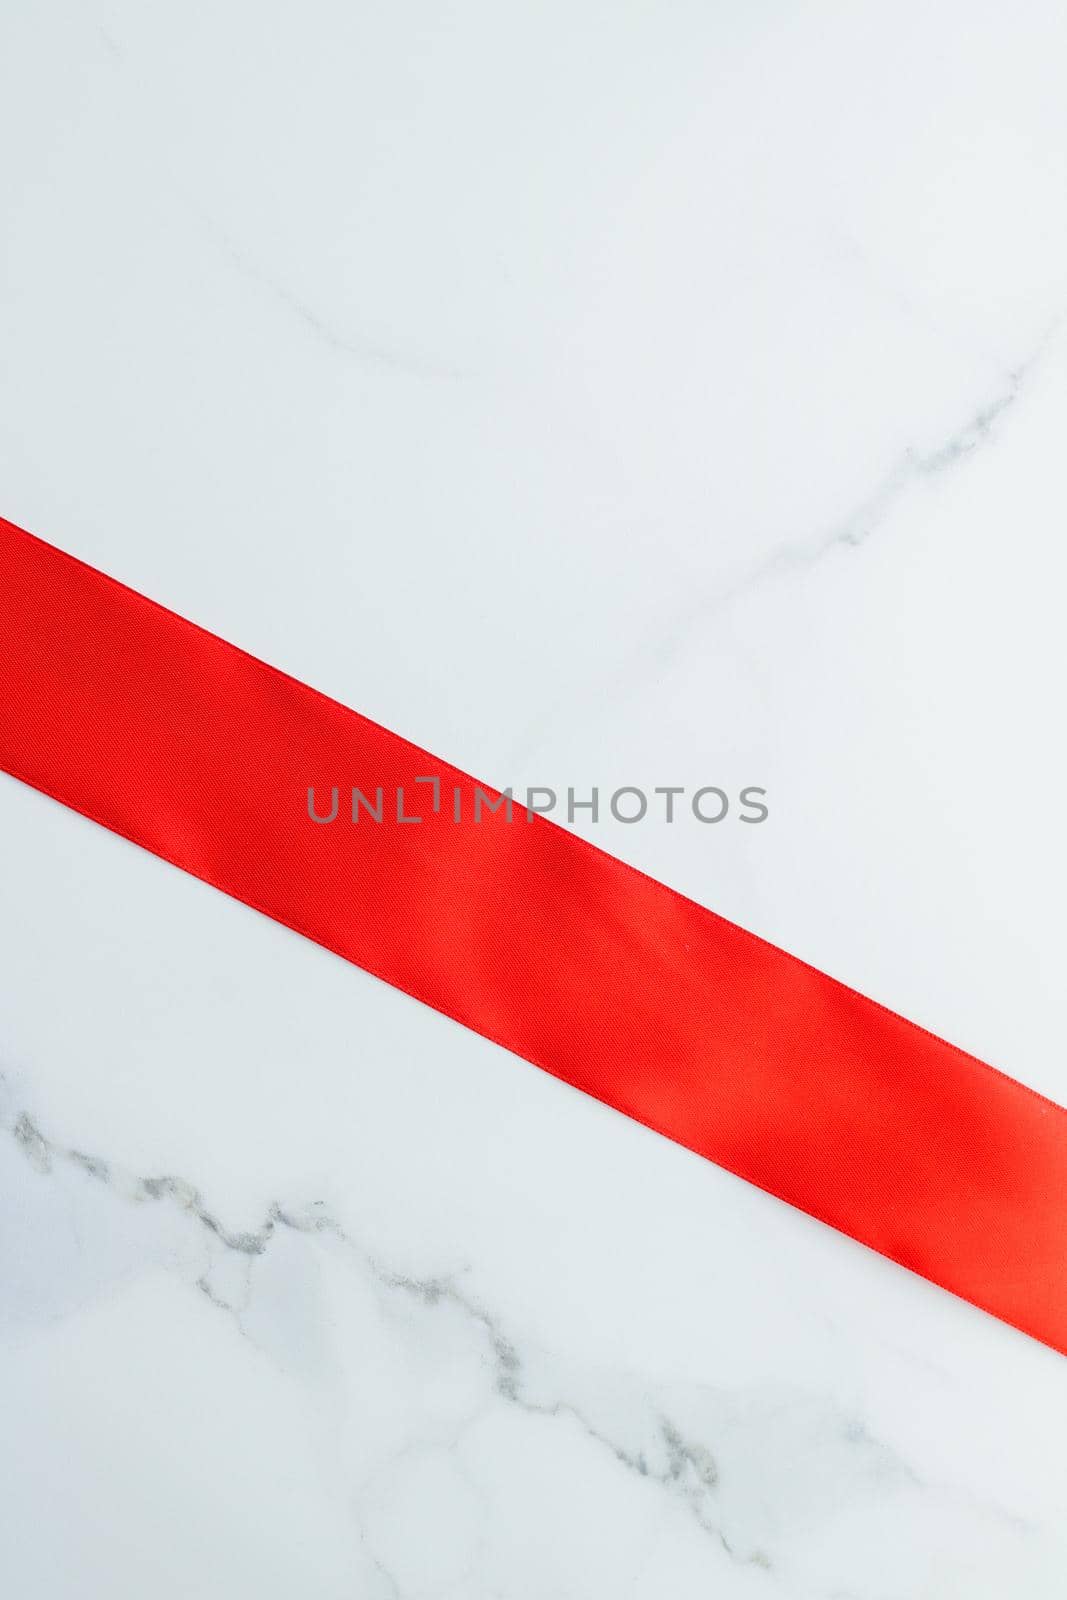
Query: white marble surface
x,y
649,391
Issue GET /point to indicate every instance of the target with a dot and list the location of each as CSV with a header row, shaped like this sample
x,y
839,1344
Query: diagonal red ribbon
x,y
532,937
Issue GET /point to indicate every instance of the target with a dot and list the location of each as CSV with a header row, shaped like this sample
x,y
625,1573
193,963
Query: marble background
x,y
641,391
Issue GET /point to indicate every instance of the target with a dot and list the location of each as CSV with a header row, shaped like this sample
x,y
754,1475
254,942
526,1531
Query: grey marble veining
x,y
695,1452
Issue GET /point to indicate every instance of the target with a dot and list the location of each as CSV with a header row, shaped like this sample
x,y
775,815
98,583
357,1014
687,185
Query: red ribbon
x,y
532,937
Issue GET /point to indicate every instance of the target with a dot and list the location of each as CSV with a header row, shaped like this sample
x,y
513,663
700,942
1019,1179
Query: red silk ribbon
x,y
532,937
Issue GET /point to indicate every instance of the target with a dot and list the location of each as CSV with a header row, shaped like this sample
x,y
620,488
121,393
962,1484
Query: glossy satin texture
x,y
204,755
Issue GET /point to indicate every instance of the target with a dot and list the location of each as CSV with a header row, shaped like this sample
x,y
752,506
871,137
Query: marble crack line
x,y
388,359
669,638
689,1473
